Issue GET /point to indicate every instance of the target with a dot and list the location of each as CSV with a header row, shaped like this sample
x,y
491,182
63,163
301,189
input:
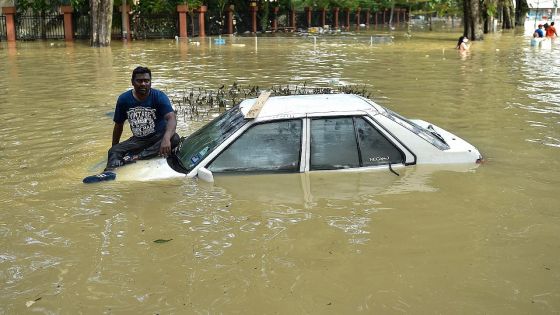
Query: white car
x,y
303,133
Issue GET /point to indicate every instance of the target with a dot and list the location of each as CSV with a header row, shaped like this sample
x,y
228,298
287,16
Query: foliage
x,y
38,6
156,6
491,7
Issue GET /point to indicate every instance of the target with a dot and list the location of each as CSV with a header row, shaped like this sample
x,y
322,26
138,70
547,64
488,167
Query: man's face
x,y
142,83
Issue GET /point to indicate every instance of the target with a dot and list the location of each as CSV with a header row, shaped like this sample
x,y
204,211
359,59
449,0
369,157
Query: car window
x,y
333,144
419,130
375,149
198,145
267,147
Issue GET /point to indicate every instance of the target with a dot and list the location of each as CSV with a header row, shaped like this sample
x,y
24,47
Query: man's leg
x,y
153,150
132,145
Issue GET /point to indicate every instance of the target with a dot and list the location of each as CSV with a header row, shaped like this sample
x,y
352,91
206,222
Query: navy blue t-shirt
x,y
146,117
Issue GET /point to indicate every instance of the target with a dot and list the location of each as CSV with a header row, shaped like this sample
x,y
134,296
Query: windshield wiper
x,y
437,135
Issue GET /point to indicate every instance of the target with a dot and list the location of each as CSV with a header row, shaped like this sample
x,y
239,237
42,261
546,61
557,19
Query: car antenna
x,y
392,170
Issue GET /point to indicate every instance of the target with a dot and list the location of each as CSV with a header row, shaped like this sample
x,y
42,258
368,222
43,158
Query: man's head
x,y
540,25
142,81
551,23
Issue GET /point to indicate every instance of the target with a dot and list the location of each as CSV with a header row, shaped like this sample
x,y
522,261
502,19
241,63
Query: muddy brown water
x,y
452,240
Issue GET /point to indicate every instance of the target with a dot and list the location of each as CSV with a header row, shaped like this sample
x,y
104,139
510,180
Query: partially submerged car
x,y
302,133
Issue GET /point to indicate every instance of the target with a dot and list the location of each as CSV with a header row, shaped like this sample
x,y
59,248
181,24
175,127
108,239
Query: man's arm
x,y
165,148
117,132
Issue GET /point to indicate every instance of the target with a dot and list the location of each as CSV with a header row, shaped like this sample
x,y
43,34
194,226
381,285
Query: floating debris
x,y
159,241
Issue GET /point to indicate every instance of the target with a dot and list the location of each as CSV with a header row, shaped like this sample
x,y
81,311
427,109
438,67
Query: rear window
x,y
417,129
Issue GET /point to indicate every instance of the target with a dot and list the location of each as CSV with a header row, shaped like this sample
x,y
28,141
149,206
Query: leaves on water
x,y
159,240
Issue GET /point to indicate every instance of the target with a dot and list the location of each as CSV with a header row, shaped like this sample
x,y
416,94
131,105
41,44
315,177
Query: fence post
x,y
201,23
10,13
67,10
336,9
182,10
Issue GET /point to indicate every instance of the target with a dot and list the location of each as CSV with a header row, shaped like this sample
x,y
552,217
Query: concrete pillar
x,y
201,23
384,13
230,19
335,13
126,21
67,10
358,10
182,10
293,19
308,16
275,19
253,10
9,13
347,12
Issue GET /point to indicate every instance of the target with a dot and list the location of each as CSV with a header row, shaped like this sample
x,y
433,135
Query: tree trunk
x,y
101,22
508,14
472,20
521,9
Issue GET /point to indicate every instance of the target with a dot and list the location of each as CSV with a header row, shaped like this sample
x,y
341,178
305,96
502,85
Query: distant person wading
x,y
462,44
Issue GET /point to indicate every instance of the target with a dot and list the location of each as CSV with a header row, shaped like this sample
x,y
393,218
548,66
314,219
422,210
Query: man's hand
x,y
165,148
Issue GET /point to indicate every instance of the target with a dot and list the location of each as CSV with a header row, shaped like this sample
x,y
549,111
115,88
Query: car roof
x,y
302,105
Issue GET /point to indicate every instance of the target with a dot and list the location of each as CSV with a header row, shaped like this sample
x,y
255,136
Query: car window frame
x,y
239,133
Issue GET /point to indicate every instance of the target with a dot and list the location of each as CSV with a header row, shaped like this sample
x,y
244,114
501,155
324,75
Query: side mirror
x,y
205,175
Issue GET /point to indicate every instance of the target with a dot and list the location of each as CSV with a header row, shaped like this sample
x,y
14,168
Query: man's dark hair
x,y
141,70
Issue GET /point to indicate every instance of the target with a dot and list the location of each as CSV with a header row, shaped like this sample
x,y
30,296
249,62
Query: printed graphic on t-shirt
x,y
142,121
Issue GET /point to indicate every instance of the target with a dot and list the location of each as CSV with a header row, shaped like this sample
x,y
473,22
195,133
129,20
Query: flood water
x,y
480,240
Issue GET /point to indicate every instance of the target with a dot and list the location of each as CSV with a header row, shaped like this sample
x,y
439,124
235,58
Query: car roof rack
x,y
257,107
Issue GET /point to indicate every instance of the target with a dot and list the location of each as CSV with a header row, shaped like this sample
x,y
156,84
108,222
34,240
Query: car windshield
x,y
422,132
198,145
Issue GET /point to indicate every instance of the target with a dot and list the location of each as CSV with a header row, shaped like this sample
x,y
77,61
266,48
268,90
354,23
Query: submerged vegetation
x,y
198,103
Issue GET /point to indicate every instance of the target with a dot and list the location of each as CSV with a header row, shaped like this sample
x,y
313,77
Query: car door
x,y
349,142
267,147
